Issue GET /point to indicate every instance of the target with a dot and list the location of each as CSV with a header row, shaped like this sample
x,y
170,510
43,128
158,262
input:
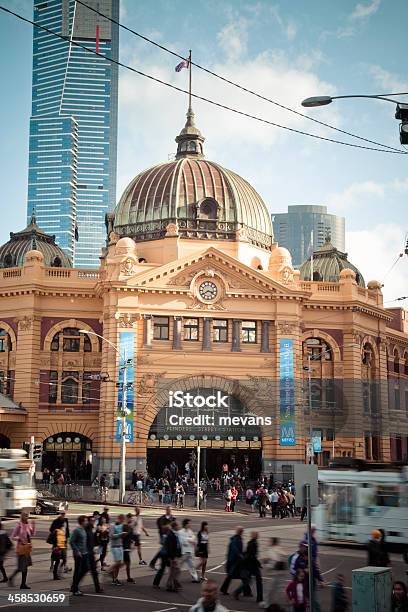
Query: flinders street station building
x,y
219,340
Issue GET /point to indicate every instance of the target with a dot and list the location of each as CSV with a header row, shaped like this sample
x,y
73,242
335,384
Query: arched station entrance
x,y
69,452
227,432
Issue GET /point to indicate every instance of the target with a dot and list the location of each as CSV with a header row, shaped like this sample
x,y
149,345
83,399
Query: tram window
x,y
387,496
161,328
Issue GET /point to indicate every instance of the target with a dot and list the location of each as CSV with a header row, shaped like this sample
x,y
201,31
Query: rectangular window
x,y
161,328
329,435
397,403
248,332
387,495
53,388
220,330
191,330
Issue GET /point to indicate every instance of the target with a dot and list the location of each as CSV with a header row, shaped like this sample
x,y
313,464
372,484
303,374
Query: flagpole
x,y
189,79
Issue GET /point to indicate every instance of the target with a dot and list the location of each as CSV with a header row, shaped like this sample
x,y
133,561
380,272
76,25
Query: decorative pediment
x,y
230,277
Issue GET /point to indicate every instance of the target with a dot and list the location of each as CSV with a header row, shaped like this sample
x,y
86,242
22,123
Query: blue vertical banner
x,y
287,435
126,344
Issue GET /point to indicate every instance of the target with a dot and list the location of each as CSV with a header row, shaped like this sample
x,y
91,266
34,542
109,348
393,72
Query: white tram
x,y
353,501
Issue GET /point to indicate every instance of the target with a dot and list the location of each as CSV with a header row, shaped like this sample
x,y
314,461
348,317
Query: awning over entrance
x,y
11,412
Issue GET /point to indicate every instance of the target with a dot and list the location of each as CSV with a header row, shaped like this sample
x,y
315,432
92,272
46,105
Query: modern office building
x,y
73,126
293,230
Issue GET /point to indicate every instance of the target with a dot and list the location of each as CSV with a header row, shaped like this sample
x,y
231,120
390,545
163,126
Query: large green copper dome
x,y
204,199
328,262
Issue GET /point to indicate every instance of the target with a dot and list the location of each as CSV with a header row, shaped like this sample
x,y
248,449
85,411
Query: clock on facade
x,y
208,290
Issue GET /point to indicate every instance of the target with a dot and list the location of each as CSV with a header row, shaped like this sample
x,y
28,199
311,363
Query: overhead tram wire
x,y
234,84
198,97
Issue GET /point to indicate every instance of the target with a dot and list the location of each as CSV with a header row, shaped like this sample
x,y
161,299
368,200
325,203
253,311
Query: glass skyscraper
x,y
73,126
293,230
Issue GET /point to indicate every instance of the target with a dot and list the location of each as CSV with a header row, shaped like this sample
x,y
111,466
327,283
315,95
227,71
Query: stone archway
x,y
252,398
69,452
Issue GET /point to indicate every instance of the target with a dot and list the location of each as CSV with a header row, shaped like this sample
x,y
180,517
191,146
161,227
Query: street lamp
x,y
123,415
309,376
401,111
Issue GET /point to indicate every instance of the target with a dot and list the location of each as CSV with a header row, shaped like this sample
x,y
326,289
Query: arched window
x,y
208,209
70,340
8,261
370,391
396,362
5,341
57,263
69,387
317,349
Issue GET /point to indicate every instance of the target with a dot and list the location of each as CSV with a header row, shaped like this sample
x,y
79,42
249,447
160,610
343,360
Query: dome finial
x,y
33,220
190,140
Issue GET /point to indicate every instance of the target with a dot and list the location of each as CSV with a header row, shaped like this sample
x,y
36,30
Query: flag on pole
x,y
309,251
311,255
181,65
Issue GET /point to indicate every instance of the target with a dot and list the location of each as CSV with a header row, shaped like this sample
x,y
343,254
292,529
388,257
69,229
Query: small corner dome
x,y
374,285
32,240
328,263
347,273
33,255
124,246
281,255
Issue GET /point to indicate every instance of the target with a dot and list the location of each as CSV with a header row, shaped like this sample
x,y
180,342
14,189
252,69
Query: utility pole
x,y
31,457
123,432
198,475
309,378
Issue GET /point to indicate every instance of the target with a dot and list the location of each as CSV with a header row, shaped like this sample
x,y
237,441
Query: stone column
x,y
177,334
265,337
207,345
236,336
147,331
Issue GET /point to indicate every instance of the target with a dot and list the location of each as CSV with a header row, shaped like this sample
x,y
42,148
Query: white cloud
x,y
355,196
365,10
388,81
233,39
288,27
374,251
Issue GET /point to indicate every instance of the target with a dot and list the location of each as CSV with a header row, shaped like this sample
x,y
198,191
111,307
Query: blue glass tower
x,y
73,126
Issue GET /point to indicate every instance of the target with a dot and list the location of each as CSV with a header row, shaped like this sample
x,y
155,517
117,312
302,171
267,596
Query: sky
x,y
286,51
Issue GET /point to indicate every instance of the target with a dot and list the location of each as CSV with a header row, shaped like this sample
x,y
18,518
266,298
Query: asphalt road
x,y
142,597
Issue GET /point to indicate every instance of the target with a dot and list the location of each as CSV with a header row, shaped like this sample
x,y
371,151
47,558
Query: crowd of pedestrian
x,y
96,535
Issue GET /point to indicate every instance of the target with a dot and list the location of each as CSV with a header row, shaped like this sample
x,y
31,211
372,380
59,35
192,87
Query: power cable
x,y
233,83
196,96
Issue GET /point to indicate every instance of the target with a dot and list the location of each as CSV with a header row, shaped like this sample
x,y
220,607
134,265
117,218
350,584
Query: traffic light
x,y
38,449
402,114
26,447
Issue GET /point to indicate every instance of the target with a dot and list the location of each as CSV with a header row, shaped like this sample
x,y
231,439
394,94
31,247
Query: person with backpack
x,y
61,522
5,545
162,521
116,536
58,540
